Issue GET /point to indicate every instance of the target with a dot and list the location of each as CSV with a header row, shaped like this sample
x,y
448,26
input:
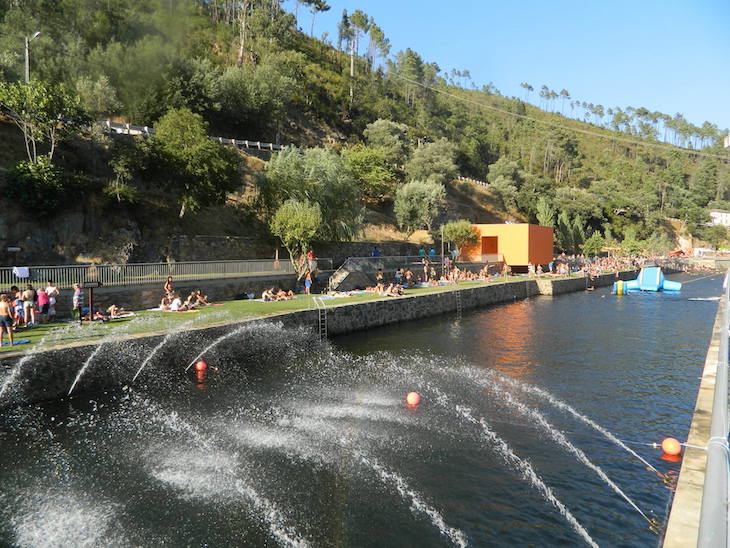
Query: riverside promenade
x,y
684,518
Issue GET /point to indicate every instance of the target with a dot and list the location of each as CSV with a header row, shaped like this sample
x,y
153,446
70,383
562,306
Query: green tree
x,y
297,224
44,113
460,232
98,97
196,170
564,232
417,204
594,245
545,213
716,235
389,136
433,162
370,170
320,176
506,178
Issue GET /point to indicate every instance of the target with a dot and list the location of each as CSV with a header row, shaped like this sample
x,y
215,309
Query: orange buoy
x,y
671,446
413,398
200,365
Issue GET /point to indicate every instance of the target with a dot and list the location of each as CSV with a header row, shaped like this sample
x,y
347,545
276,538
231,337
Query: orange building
x,y
519,244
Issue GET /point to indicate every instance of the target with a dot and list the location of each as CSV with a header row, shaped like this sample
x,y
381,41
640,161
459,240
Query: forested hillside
x,y
379,136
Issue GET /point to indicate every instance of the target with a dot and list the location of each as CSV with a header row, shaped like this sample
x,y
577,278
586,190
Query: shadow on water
x,y
296,443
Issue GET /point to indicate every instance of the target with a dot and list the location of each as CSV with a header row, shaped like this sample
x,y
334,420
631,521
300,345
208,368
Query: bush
x,y
37,185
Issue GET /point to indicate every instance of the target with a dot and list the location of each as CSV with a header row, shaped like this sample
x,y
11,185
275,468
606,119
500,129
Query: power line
x,y
660,146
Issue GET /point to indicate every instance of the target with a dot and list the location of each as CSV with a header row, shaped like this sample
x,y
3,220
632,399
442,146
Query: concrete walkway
x,y
684,518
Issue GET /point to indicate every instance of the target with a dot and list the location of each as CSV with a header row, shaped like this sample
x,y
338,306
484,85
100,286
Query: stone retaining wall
x,y
48,374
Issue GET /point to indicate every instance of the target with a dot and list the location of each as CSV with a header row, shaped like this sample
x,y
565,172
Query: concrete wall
x,y
48,374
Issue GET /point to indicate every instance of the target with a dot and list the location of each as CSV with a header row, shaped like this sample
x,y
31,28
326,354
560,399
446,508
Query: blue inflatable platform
x,y
651,278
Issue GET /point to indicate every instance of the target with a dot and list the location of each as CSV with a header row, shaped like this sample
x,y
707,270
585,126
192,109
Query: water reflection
x,y
506,340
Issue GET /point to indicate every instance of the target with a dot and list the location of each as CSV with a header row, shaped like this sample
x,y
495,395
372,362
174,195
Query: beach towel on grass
x,y
16,343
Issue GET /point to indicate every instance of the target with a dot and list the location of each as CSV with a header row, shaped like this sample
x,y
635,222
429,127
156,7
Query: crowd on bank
x,y
24,308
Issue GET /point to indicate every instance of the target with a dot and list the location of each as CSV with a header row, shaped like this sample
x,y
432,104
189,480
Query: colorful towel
x,y
16,343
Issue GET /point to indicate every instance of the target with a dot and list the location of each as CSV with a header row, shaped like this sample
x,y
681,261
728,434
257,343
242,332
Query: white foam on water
x,y
214,476
353,411
555,434
162,343
510,458
418,504
49,521
210,472
559,404
526,471
110,337
334,435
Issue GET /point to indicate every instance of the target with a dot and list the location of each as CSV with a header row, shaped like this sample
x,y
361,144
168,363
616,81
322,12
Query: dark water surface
x,y
294,443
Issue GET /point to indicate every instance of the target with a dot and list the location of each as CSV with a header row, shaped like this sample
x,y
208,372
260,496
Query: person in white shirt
x,y
176,305
52,292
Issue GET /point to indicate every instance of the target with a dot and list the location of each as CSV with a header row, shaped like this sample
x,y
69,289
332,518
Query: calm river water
x,y
293,443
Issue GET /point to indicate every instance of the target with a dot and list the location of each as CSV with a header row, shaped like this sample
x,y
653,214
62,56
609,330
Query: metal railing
x,y
144,273
713,529
129,129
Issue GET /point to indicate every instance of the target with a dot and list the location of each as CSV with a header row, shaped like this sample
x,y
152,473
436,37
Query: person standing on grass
x,y
52,292
308,283
6,318
29,298
169,288
43,304
77,301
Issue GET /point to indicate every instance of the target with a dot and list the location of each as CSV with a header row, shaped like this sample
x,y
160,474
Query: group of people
x,y
274,294
24,308
172,302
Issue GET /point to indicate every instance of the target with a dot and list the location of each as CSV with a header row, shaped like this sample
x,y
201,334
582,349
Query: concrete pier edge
x,y
684,517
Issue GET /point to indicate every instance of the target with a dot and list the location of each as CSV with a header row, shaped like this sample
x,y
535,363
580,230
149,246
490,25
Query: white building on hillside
x,y
720,217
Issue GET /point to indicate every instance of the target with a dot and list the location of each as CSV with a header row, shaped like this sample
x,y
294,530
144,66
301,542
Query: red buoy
x,y
671,446
200,365
413,399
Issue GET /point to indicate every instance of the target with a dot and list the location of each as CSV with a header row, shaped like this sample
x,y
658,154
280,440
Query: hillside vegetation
x,y
380,137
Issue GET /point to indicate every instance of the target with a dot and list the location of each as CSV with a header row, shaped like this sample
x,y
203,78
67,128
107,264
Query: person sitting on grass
x,y
177,305
201,299
96,316
6,318
165,303
190,301
282,295
114,311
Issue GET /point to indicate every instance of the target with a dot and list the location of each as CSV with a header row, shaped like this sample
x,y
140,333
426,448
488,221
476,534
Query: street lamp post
x,y
28,40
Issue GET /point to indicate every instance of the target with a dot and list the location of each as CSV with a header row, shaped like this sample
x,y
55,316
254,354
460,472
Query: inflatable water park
x,y
651,278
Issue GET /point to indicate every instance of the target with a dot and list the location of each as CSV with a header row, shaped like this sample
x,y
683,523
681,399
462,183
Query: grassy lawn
x,y
147,322
144,322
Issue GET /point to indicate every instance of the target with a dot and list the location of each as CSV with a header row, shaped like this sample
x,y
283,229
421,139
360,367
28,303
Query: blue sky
x,y
670,55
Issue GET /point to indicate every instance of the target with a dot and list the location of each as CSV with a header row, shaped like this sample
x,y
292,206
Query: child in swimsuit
x,y
6,318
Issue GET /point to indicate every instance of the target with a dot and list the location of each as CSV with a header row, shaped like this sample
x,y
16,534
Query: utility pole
x,y
28,40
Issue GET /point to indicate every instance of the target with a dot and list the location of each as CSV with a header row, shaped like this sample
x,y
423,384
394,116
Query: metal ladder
x,y
459,306
322,317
